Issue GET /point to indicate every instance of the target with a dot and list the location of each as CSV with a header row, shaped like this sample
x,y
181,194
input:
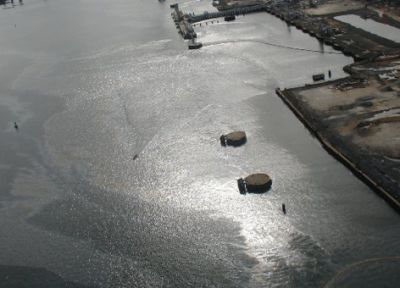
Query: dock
x,y
226,13
182,23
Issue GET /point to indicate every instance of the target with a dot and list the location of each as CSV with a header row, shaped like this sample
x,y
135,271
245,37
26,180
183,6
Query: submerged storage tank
x,y
235,139
255,183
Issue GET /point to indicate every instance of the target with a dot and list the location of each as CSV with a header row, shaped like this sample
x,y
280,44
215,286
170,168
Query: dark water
x,y
369,25
93,83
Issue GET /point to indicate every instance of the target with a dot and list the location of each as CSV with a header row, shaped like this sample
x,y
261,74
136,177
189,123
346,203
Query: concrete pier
x,y
226,13
182,23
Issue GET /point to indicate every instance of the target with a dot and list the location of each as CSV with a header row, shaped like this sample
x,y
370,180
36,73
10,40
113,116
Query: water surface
x,y
93,83
369,25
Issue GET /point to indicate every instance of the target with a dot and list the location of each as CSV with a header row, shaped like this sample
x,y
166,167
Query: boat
x,y
318,77
230,18
194,45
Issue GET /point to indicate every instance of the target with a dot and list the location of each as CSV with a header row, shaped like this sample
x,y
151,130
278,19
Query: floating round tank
x,y
235,139
255,183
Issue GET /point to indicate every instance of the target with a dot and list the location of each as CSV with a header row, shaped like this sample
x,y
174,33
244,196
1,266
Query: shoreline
x,y
340,147
340,35
334,151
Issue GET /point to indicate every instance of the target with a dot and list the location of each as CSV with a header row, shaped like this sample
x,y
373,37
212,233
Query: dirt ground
x,y
229,4
333,6
370,115
357,119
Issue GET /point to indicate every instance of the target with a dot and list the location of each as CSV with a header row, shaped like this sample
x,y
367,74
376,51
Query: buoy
x,y
283,208
135,157
15,125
